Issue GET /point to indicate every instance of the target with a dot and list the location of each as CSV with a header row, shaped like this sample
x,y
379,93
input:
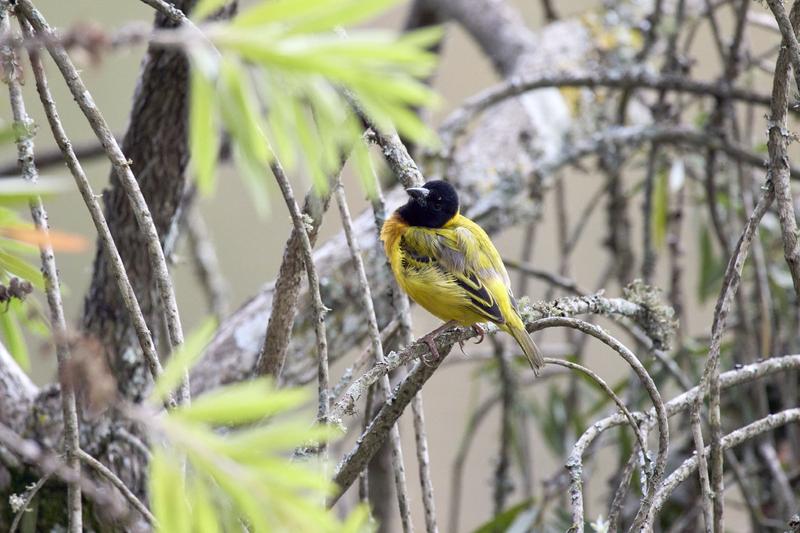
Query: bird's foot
x,y
477,328
430,342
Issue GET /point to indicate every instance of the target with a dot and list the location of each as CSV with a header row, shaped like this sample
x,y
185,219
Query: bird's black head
x,y
430,206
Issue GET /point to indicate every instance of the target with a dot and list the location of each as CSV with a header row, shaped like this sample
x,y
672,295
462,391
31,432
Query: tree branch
x,y
376,432
122,168
23,125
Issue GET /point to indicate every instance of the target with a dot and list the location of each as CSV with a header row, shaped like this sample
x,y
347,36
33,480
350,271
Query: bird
x,y
448,264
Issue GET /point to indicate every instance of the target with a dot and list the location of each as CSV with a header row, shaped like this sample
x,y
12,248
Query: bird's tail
x,y
529,348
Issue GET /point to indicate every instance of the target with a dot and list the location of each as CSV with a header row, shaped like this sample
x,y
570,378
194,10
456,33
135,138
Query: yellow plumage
x,y
455,272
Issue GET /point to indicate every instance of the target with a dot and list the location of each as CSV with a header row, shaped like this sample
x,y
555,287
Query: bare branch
x,y
123,170
30,494
313,282
377,351
101,225
779,136
49,464
101,469
275,346
730,440
23,124
206,263
375,434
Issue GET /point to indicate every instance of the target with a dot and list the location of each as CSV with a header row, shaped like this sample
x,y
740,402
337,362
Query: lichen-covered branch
x,y
650,318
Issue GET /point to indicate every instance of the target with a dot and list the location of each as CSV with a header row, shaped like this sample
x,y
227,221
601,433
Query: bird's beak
x,y
418,193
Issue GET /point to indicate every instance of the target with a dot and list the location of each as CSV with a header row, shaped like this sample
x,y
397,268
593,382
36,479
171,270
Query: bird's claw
x,y
429,359
477,328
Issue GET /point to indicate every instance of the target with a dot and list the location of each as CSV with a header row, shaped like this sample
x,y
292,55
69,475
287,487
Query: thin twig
x,y
272,355
574,462
615,508
168,10
710,378
30,494
377,350
23,125
607,389
397,157
779,135
730,440
567,284
784,487
101,469
313,283
49,463
456,123
98,218
502,483
123,171
206,263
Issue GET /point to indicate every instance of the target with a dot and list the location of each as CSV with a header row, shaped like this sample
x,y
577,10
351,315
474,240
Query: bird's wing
x,y
466,259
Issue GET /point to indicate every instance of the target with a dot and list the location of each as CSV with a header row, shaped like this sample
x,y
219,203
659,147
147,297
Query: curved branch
x,y
730,440
574,461
376,432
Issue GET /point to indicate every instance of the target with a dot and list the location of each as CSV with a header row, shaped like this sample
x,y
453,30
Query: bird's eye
x,y
437,206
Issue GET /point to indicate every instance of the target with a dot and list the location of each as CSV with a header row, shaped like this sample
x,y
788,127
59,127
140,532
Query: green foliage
x,y
660,209
552,420
182,359
19,258
519,517
225,458
13,337
279,78
712,267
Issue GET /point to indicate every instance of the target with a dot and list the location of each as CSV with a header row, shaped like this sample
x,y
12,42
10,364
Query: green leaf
x,y
252,174
306,16
274,437
504,520
13,336
205,8
20,268
204,514
712,267
8,134
203,131
167,495
357,521
241,403
660,209
240,113
182,360
365,170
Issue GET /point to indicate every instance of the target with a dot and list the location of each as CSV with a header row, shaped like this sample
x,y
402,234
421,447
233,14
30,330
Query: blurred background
x,y
250,247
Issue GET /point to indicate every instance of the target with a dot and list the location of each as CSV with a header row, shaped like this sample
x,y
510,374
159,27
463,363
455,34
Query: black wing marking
x,y
410,254
480,298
